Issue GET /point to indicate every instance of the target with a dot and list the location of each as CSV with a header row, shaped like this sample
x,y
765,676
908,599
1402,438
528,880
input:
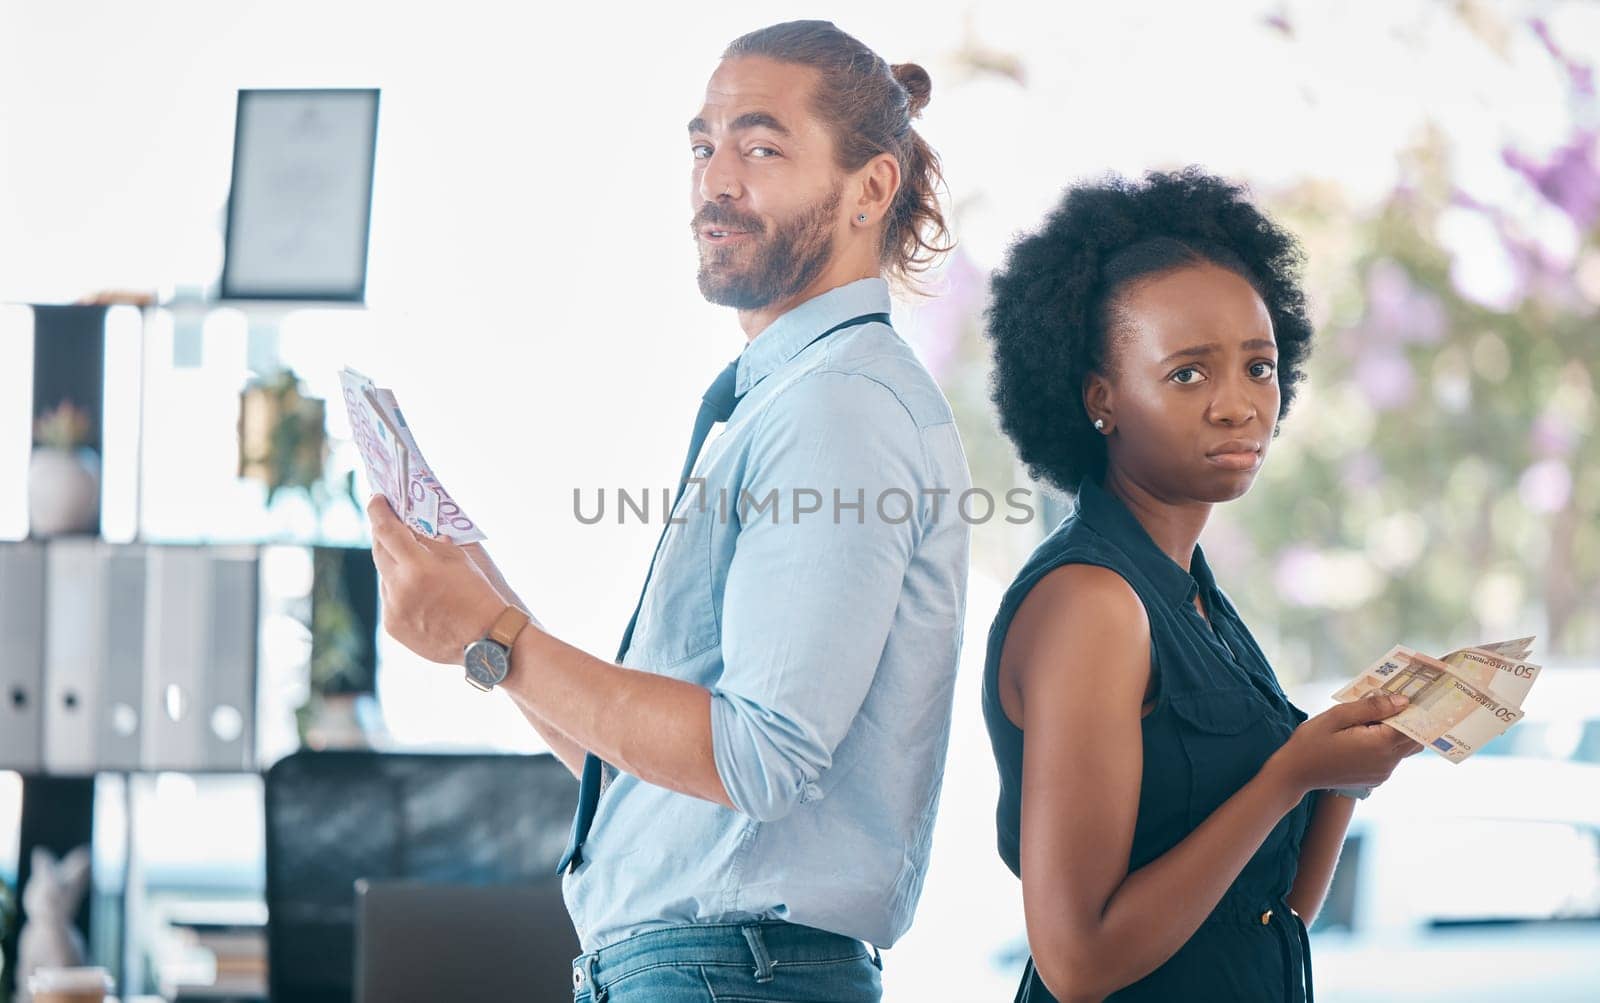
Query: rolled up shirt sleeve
x,y
811,595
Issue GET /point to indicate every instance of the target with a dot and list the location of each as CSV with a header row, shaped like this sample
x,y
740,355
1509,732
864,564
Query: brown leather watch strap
x,y
508,625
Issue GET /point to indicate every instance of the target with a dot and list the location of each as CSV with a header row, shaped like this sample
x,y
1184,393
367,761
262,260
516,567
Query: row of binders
x,y
127,656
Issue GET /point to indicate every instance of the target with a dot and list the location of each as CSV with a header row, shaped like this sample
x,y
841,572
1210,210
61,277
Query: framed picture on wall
x,y
300,207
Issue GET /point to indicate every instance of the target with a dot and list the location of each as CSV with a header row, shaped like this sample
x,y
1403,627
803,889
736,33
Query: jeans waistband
x,y
761,945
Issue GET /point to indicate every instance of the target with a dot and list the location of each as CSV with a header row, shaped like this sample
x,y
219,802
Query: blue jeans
x,y
730,963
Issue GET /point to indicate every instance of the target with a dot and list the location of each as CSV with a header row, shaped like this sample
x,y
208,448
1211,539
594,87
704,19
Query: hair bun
x,y
919,87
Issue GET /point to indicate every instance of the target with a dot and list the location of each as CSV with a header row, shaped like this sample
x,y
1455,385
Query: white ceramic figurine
x,y
48,938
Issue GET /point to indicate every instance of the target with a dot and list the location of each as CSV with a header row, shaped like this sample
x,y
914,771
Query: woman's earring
x,y
861,217
1099,424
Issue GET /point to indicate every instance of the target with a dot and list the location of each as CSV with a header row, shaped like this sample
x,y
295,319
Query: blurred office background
x,y
530,296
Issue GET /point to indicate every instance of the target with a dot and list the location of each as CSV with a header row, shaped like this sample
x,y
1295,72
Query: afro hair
x,y
1052,302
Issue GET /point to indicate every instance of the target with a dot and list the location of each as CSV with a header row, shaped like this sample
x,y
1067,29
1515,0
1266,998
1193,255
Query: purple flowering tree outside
x,y
1440,484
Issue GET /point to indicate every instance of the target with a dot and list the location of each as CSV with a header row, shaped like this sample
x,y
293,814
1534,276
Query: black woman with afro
x,y
1174,819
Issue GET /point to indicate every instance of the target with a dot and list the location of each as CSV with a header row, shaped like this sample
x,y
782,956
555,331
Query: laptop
x,y
424,942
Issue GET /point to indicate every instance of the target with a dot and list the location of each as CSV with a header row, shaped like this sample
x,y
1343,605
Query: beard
x,y
778,264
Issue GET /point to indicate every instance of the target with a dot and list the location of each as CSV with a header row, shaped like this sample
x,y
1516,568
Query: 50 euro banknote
x,y
394,464
1501,669
1453,709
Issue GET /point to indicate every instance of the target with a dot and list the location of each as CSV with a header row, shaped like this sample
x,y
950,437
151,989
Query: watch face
x,y
486,662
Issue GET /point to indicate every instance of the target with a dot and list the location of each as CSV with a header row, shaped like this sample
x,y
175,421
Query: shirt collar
x,y
785,337
1106,513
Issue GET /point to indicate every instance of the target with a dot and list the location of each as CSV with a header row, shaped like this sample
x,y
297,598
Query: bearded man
x,y
760,765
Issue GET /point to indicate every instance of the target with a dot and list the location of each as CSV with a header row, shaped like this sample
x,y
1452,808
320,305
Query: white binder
x,y
229,697
21,657
94,652
199,658
177,580
120,714
74,630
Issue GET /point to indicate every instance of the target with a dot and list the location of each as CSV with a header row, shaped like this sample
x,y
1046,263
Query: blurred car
x,y
1468,883
1562,719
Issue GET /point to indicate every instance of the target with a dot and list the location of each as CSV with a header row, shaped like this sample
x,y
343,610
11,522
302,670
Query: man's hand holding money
x,y
435,600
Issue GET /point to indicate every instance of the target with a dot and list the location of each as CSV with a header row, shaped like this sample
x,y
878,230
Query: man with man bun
x,y
760,766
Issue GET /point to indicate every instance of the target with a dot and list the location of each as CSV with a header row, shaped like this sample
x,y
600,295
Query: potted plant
x,y
282,436
63,474
343,628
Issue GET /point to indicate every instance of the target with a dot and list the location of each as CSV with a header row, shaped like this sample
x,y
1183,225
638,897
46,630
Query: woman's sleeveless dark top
x,y
1218,714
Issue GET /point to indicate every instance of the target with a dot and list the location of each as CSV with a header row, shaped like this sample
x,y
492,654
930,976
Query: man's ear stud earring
x,y
1099,424
861,217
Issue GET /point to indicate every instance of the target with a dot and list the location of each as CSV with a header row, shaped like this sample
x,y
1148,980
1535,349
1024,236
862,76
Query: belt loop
x,y
758,951
877,958
583,980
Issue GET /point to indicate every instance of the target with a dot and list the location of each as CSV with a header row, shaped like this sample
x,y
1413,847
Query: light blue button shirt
x,y
815,583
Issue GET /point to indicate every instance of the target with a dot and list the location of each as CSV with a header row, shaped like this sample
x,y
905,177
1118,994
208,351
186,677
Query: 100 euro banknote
x,y
1446,712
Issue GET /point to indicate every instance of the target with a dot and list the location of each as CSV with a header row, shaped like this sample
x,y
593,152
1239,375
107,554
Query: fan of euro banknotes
x,y
1458,702
395,467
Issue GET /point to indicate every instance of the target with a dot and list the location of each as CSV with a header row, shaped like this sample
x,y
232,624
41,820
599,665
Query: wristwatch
x,y
488,659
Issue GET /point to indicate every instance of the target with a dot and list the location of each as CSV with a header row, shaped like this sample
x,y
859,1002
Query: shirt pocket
x,y
676,619
1227,735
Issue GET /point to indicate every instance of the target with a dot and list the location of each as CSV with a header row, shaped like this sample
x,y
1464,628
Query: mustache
x,y
712,214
